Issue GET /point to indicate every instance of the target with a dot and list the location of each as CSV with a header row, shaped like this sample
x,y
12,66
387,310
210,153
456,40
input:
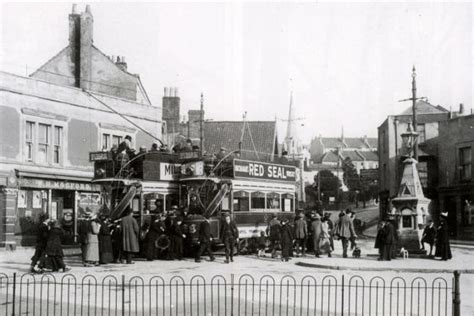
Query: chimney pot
x,y
461,108
74,8
166,92
175,92
88,9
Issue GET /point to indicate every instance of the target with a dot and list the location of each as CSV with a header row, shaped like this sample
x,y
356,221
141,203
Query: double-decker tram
x,y
153,183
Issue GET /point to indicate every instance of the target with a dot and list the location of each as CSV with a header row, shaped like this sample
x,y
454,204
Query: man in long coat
x,y
301,234
316,233
286,240
41,240
274,234
345,231
205,240
390,239
130,230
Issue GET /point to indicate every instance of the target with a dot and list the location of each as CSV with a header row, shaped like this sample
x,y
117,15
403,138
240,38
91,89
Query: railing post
x,y
342,296
456,294
231,294
14,294
123,295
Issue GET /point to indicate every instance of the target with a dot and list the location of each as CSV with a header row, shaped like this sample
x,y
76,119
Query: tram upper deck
x,y
163,166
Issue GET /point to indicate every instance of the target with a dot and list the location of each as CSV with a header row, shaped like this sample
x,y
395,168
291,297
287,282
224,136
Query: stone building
x,y
391,151
456,177
331,151
79,101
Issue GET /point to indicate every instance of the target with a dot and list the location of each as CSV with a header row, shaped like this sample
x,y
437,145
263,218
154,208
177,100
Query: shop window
x,y
257,200
241,201
287,202
465,158
273,201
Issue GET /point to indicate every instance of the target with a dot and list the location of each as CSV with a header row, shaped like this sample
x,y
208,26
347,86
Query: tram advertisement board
x,y
263,170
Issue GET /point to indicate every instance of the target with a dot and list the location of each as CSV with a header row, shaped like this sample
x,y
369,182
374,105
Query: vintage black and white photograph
x,y
236,158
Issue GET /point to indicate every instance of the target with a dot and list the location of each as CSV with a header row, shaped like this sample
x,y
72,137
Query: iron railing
x,y
244,294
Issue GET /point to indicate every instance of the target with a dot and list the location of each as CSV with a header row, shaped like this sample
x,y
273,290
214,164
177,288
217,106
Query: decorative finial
x,y
414,72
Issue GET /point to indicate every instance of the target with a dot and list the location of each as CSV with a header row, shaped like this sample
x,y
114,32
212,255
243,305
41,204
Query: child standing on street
x,y
261,242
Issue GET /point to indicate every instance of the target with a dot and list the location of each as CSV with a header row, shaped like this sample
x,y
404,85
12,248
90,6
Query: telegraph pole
x,y
413,98
201,132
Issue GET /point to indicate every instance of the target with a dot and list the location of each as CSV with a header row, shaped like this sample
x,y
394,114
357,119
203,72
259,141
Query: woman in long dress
x,y
92,249
324,240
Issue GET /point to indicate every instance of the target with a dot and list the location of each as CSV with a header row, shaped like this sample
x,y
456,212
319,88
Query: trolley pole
x,y
201,120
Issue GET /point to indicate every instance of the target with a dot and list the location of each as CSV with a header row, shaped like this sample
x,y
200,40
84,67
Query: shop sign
x,y
169,171
263,170
58,185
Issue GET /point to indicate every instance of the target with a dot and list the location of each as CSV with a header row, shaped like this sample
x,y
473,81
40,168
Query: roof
x,y
348,142
228,134
354,155
424,107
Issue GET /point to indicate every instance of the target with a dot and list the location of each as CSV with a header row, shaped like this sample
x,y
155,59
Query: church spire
x,y
291,139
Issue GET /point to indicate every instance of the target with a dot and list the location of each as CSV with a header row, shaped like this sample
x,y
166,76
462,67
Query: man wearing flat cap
x,y
230,235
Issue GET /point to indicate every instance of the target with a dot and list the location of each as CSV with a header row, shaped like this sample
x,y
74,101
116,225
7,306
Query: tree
x,y
325,184
350,176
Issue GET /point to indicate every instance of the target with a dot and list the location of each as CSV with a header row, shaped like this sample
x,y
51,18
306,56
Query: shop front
x,y
63,199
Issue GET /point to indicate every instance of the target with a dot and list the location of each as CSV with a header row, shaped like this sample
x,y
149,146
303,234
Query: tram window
x,y
257,200
225,205
273,201
153,203
241,201
287,203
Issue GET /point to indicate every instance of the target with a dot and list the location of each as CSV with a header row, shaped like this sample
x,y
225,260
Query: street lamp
x,y
409,140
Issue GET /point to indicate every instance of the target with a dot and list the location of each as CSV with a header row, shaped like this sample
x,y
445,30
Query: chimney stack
x,y
121,63
86,32
74,43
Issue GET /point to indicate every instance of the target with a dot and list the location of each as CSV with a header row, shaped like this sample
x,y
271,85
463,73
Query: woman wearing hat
x,y
443,248
92,248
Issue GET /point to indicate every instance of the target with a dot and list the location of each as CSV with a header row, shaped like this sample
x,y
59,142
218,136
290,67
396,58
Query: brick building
x,y
456,177
49,123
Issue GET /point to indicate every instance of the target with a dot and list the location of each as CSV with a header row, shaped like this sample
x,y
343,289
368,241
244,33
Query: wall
x,y
10,136
455,133
82,116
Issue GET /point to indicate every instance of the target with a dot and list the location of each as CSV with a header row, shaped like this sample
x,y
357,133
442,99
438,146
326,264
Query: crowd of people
x,y
167,237
313,233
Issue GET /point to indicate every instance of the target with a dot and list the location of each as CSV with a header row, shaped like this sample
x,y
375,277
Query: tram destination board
x,y
263,170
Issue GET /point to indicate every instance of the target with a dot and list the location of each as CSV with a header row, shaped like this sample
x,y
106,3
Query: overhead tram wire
x,y
124,117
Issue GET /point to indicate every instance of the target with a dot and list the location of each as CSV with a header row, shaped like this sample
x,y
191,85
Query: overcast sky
x,y
347,64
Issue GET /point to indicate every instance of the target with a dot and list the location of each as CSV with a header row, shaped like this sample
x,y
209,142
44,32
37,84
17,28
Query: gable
x,y
59,69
